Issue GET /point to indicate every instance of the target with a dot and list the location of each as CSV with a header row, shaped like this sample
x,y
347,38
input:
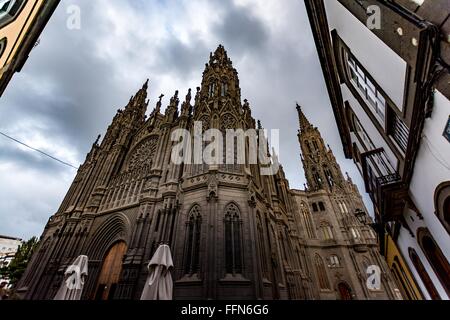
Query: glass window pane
x,y
371,86
371,97
360,72
351,61
381,99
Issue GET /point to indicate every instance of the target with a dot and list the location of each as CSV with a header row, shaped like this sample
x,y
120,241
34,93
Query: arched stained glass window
x,y
193,235
322,273
233,240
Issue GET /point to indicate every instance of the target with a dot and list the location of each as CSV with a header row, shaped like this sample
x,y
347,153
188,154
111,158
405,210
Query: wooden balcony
x,y
387,190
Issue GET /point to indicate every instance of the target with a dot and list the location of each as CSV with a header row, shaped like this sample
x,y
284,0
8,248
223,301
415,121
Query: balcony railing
x,y
384,184
399,132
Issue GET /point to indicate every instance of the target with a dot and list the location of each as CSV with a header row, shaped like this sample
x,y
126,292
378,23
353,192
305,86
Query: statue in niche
x,y
188,97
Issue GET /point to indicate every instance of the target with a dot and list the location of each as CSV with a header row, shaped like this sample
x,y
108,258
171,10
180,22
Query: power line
x,y
37,150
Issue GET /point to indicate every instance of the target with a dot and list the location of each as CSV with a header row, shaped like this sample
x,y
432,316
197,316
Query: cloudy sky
x,y
75,80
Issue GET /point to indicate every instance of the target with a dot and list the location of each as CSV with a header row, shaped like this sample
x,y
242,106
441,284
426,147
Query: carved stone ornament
x,y
143,154
212,186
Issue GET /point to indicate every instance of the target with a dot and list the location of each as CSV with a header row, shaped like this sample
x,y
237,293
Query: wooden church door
x,y
110,273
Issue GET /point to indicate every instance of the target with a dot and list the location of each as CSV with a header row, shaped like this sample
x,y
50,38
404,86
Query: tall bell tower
x,y
220,95
333,214
321,168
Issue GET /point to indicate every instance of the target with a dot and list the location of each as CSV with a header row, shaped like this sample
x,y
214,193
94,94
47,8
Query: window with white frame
x,y
9,10
362,134
367,90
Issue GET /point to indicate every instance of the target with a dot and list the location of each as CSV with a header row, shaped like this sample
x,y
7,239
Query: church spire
x,y
319,163
220,57
303,121
220,88
138,102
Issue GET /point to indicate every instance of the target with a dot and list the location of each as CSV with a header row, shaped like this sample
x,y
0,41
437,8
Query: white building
x,y
8,249
387,70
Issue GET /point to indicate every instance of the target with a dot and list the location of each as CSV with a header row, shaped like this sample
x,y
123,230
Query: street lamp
x,y
378,227
365,220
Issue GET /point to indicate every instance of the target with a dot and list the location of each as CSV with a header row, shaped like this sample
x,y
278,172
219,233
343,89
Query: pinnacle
x,y
220,56
145,86
303,121
220,48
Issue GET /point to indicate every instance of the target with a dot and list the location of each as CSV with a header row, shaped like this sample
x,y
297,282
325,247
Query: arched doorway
x,y
424,275
110,273
435,257
442,204
344,291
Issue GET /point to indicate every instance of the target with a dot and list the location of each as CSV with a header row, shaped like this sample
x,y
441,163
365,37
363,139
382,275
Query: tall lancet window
x,y
193,234
224,89
233,240
211,89
230,146
315,145
329,176
322,273
308,146
307,219
327,233
317,178
262,244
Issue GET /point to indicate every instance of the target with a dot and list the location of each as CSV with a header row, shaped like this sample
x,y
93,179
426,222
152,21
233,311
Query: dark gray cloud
x,y
75,80
242,30
24,157
183,60
64,86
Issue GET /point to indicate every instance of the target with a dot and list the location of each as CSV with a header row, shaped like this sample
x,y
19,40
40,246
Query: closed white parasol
x,y
73,283
159,285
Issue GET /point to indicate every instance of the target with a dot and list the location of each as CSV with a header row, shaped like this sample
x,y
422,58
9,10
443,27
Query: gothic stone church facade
x,y
234,233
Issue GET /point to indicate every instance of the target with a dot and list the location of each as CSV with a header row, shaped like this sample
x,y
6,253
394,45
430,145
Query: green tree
x,y
17,267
